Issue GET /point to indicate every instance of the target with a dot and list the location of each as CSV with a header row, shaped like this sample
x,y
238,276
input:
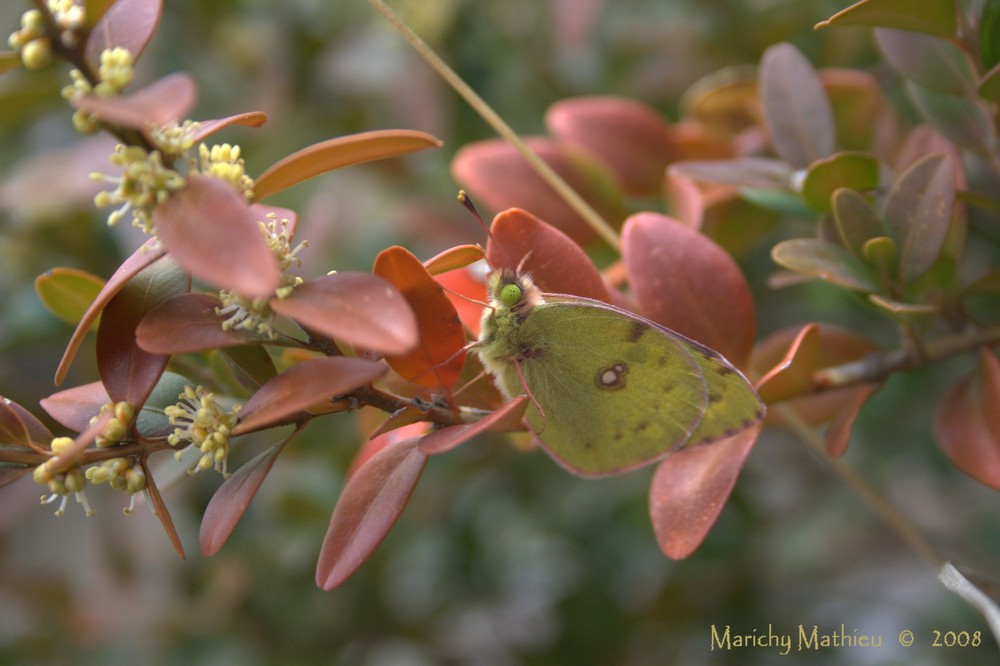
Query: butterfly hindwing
x,y
619,391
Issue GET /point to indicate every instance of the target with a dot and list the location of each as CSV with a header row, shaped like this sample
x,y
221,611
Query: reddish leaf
x,y
627,136
454,258
372,501
128,372
796,110
13,431
505,419
437,360
336,153
129,24
497,175
790,360
684,281
556,264
139,260
231,500
838,435
968,422
356,308
37,431
467,292
793,375
211,231
303,385
377,443
207,128
862,117
188,323
743,171
161,511
74,407
165,100
690,488
919,209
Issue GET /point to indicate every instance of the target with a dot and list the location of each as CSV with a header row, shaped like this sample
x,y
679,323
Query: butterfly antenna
x,y
466,200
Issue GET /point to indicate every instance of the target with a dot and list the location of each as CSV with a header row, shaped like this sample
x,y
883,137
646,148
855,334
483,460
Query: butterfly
x,y
610,391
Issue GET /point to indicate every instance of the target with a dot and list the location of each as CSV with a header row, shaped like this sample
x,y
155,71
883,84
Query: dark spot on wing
x,y
640,427
612,377
723,370
637,330
714,396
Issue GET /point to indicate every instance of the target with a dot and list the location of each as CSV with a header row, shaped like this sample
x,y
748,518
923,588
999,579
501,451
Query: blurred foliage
x,y
500,558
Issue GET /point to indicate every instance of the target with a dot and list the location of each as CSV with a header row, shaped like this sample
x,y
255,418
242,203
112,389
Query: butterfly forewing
x,y
617,391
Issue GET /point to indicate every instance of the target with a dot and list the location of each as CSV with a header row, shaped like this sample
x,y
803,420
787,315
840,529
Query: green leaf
x,y
68,292
796,110
932,62
989,34
880,253
151,421
959,119
935,17
857,171
981,299
856,220
918,210
778,201
900,309
826,261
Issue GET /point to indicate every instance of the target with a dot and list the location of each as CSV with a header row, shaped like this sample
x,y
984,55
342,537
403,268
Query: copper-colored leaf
x,y
128,372
759,172
793,374
139,260
627,136
690,488
796,110
75,407
359,309
684,281
968,422
790,359
454,258
165,100
377,442
506,418
303,385
838,434
336,153
467,292
556,264
499,177
161,511
231,500
207,128
129,24
210,230
919,209
13,431
437,360
188,323
371,502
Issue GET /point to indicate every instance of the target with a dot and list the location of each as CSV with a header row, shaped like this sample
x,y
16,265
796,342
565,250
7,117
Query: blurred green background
x,y
501,557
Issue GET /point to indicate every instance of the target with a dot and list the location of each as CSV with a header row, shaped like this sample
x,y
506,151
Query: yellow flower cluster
x,y
202,421
144,184
63,482
121,474
34,41
254,314
224,162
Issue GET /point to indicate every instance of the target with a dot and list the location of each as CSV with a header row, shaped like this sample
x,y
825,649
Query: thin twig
x,y
576,202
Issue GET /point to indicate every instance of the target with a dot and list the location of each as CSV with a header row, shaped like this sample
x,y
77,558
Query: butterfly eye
x,y
510,294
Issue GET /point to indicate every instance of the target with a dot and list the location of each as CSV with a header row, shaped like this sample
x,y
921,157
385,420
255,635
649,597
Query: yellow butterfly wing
x,y
619,391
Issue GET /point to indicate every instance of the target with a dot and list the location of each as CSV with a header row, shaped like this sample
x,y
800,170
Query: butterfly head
x,y
513,291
